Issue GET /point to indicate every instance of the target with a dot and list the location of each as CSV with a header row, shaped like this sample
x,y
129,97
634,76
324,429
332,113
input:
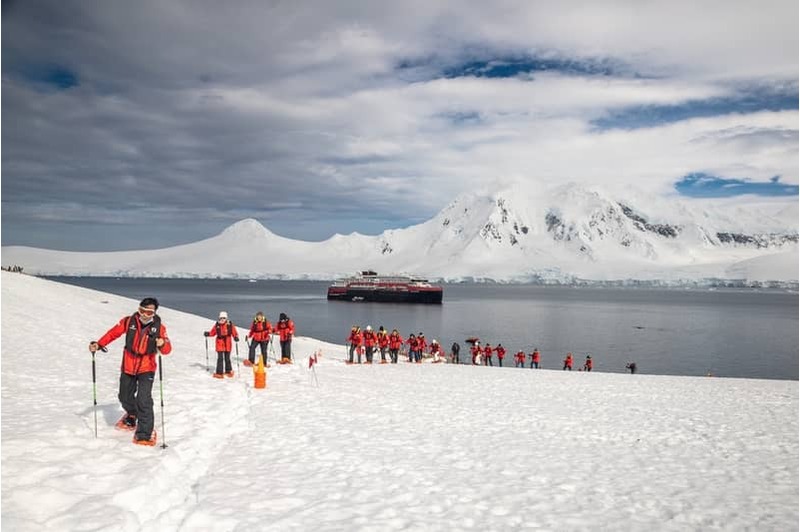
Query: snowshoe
x,y
247,363
150,443
126,422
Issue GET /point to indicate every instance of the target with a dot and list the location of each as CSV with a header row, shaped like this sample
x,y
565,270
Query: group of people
x,y
367,342
260,335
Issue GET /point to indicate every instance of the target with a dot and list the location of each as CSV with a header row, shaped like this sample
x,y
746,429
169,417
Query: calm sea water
x,y
730,333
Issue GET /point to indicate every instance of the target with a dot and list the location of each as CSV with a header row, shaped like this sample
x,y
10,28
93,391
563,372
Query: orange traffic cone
x,y
260,374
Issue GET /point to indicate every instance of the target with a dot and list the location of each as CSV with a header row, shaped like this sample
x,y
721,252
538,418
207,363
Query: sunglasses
x,y
146,311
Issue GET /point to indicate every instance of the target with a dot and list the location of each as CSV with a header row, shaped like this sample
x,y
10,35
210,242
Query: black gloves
x,y
206,334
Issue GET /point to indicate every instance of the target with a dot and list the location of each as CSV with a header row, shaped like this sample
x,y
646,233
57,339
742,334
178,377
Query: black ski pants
x,y
252,356
224,358
286,349
136,396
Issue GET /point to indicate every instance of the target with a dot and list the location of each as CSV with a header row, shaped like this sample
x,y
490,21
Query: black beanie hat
x,y
283,316
149,301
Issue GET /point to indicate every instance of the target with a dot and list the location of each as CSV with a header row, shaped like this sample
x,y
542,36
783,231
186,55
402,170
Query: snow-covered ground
x,y
392,447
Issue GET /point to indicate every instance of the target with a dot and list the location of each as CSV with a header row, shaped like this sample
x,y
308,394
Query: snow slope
x,y
519,233
394,447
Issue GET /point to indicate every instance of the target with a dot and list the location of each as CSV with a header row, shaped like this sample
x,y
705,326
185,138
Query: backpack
x,y
153,329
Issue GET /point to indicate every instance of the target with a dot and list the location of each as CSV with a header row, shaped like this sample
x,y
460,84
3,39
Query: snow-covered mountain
x,y
568,233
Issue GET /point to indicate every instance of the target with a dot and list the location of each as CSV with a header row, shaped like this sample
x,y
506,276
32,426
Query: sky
x,y
380,447
147,124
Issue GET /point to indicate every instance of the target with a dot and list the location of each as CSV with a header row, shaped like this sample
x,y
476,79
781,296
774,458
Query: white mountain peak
x,y
521,231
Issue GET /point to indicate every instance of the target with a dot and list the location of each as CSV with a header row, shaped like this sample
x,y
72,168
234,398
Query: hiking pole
x,y
238,371
161,386
94,393
94,388
207,354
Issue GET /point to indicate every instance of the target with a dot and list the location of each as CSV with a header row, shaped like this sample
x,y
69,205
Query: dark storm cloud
x,y
309,116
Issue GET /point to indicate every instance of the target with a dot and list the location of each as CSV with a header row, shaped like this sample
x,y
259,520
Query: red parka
x,y
370,338
501,352
383,339
260,331
395,341
225,333
520,357
355,338
285,329
138,360
535,356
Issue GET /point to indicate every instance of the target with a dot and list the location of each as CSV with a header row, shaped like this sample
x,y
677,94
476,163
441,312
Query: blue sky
x,y
141,125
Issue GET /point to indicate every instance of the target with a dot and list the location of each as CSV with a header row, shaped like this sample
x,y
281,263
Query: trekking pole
x,y
207,354
161,386
94,394
238,371
94,388
272,349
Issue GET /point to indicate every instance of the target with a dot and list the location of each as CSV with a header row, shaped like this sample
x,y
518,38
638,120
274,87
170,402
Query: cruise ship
x,y
369,286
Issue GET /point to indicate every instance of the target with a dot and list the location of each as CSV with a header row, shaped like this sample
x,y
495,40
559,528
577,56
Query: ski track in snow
x,y
381,447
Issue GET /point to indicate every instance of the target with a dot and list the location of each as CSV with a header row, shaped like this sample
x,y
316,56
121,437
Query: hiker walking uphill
x,y
395,344
260,333
383,343
487,354
501,354
370,339
226,334
285,329
587,365
568,362
145,336
535,358
356,339
519,359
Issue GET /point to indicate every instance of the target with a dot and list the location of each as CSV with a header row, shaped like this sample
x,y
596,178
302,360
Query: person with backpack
x,y
422,343
370,339
383,343
631,366
226,334
587,365
356,339
145,336
285,329
519,359
501,353
487,354
535,358
395,343
454,350
413,345
260,333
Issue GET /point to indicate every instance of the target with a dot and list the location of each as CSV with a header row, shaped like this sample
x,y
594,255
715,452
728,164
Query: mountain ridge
x,y
567,233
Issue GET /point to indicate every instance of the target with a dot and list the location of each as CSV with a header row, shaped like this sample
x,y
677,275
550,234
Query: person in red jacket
x,y
568,362
370,341
487,354
395,343
413,345
383,343
285,328
226,334
145,335
436,352
422,343
535,358
260,333
501,353
519,359
587,365
356,340
476,352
